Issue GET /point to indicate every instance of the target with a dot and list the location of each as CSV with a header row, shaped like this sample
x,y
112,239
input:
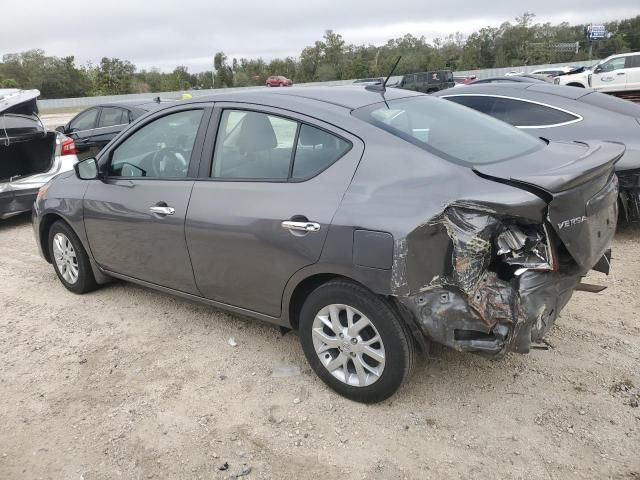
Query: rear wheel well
x,y
45,224
302,291
308,285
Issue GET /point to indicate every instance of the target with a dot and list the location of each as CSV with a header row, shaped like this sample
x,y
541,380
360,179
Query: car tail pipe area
x,y
500,287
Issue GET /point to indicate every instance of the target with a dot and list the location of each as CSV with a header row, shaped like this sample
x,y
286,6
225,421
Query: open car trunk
x,y
26,147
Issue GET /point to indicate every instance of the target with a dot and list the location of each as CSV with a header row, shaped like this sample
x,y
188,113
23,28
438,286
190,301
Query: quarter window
x,y
259,146
316,150
113,116
481,104
84,121
527,114
160,149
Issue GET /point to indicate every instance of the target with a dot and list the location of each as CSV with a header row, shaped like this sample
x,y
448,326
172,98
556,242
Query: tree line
x,y
521,42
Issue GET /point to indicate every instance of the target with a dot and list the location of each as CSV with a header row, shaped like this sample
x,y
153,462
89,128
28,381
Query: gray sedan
x,y
567,113
361,218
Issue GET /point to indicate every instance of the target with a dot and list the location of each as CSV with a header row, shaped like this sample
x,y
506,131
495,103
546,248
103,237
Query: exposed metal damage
x,y
630,195
495,291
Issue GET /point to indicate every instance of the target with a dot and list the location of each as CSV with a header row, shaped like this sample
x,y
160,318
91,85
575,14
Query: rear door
x,y
80,129
134,216
111,121
632,67
264,202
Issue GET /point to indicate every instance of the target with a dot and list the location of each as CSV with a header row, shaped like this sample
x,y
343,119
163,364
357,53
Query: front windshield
x,y
450,130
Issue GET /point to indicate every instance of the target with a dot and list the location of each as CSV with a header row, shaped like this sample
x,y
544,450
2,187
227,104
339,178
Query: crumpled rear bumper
x,y
498,316
16,201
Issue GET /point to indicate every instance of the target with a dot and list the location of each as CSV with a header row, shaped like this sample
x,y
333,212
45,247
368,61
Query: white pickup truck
x,y
617,74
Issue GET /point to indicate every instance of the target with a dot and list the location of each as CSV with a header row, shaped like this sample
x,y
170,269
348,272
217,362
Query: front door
x,y
610,76
134,216
262,209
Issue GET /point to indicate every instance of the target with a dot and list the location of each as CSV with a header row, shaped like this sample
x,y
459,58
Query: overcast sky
x,y
165,33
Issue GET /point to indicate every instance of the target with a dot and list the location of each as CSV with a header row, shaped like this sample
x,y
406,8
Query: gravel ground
x,y
129,383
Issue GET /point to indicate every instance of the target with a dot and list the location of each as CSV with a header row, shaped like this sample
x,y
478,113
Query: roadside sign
x,y
595,32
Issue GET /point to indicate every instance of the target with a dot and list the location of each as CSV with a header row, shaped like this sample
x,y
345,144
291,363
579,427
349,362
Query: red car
x,y
278,81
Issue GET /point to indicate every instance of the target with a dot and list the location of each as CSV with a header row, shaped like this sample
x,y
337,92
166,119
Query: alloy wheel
x,y
348,345
65,257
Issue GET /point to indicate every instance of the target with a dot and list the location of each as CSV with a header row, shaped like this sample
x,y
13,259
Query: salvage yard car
x,y
618,74
29,154
357,216
565,113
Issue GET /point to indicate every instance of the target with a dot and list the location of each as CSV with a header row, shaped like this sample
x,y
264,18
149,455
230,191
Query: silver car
x,y
30,155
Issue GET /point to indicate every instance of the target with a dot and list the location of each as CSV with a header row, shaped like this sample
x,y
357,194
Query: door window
x,y
84,121
259,146
526,114
633,61
161,148
111,116
613,64
253,145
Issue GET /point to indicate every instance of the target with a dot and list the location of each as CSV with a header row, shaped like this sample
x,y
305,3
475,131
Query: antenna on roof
x,y
383,87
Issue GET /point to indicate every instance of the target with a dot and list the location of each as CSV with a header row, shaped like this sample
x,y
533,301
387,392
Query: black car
x,y
427,82
558,112
94,127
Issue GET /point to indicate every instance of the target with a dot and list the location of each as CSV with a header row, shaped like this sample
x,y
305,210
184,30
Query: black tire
x,y
85,281
399,346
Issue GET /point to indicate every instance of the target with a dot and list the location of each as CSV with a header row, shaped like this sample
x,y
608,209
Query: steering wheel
x,y
167,162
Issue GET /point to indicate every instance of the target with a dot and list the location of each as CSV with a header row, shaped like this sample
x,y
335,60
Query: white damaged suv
x,y
615,74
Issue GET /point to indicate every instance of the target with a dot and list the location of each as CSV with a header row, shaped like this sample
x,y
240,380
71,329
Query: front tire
x,y
70,259
355,341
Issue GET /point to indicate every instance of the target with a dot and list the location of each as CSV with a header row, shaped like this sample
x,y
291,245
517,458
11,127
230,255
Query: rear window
x,y
449,130
609,102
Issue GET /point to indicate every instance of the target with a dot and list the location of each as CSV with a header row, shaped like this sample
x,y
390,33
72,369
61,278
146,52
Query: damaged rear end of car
x,y
507,278
492,269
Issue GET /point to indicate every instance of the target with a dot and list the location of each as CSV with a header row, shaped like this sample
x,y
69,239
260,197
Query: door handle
x,y
621,73
301,226
162,210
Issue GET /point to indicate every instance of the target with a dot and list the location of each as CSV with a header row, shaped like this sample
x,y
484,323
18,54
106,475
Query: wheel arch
x,y
298,293
43,234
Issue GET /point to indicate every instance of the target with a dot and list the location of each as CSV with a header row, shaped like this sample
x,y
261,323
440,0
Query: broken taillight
x,y
528,248
68,147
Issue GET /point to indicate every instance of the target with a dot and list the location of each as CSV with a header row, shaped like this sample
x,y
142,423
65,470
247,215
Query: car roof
x,y
572,93
146,104
350,96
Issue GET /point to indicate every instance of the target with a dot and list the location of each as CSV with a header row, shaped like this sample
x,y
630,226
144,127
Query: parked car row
x,y
371,220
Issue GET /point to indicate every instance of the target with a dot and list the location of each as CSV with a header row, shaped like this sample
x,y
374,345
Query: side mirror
x,y
87,169
598,69
60,129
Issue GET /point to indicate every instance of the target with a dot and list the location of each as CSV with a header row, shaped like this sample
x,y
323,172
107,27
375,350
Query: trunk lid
x,y
577,180
21,102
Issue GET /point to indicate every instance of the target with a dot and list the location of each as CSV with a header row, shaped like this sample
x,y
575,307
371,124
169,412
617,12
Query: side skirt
x,y
195,298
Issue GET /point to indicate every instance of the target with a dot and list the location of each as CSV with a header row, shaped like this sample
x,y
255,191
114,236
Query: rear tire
x,y
70,260
355,341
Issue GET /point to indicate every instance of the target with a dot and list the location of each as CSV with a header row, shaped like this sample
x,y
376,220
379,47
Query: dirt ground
x,y
129,383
